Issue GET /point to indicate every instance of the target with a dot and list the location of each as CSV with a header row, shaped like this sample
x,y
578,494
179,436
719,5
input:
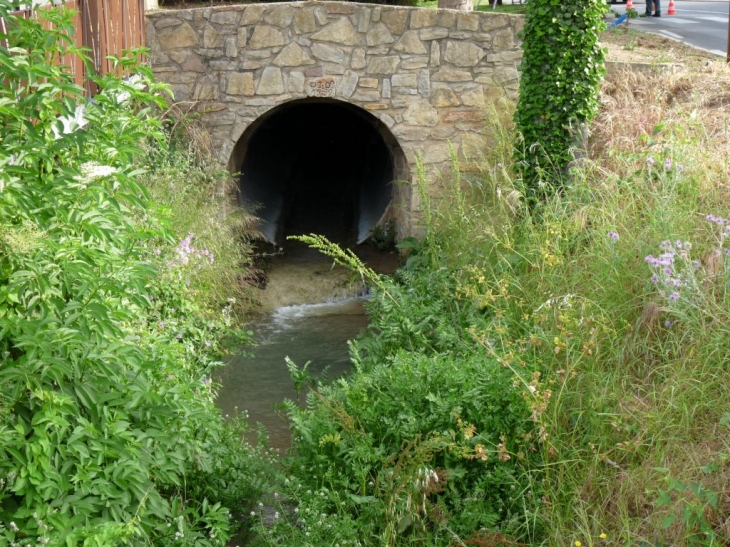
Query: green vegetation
x,y
551,373
562,66
546,380
112,318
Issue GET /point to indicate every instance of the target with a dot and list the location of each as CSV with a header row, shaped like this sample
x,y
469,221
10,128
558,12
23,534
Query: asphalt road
x,y
702,24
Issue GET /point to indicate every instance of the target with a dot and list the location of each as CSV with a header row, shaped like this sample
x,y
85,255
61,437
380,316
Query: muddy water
x,y
310,311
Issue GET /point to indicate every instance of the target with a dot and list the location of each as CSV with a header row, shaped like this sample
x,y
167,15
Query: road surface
x,y
702,24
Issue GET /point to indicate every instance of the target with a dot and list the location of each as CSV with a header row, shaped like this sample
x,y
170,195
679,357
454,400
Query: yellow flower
x,y
577,544
603,536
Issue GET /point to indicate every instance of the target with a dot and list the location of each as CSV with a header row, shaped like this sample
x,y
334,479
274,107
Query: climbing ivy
x,y
562,66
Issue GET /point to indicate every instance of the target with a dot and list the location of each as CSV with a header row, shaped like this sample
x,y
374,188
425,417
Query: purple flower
x,y
650,160
674,296
655,278
161,324
667,164
613,236
680,168
667,323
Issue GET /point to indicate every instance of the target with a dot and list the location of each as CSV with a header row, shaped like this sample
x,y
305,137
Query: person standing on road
x,y
657,13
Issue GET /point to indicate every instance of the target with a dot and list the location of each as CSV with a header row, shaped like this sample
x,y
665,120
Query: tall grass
x,y
636,426
198,196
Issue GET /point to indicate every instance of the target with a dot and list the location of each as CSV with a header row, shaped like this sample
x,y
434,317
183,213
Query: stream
x,y
310,311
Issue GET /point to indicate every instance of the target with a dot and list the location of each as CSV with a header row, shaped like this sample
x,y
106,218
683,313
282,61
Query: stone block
x,y
304,22
467,21
280,16
363,20
463,54
181,36
316,72
505,56
386,89
250,64
293,55
492,21
193,64
271,82
365,96
435,58
474,97
340,32
376,106
383,65
422,18
166,22
460,35
242,37
411,133
205,90
421,113
410,43
424,83
252,14
320,14
265,36
358,59
412,63
332,54
403,80
241,83
227,17
369,82
260,102
447,18
333,68
296,82
340,8
503,39
379,35
231,47
433,33
376,14
395,19
347,84
451,75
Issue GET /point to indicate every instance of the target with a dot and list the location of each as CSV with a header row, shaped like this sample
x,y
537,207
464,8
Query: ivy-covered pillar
x,y
562,66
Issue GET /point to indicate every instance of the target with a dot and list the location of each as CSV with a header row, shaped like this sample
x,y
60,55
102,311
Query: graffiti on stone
x,y
321,87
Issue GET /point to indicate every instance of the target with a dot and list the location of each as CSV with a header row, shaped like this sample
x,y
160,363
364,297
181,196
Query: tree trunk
x,y
463,5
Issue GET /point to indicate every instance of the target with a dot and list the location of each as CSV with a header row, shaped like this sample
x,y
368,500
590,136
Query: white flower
x,y
91,171
71,123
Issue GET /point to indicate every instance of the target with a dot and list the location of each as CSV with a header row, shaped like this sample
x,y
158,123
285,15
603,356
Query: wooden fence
x,y
105,27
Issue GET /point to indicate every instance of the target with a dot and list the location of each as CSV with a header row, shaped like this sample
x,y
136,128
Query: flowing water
x,y
313,310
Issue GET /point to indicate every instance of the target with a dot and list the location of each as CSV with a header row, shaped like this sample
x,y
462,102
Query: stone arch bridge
x,y
324,107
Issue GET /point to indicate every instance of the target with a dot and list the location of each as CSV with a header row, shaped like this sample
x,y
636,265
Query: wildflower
x,y
680,168
613,235
650,160
667,323
667,164
577,544
603,535
14,527
674,296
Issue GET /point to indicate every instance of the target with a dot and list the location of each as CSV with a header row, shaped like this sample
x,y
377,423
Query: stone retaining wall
x,y
424,73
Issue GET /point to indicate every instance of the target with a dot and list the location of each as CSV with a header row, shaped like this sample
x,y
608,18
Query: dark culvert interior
x,y
318,166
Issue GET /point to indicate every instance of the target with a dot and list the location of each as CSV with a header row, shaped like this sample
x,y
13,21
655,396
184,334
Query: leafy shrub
x,y
109,434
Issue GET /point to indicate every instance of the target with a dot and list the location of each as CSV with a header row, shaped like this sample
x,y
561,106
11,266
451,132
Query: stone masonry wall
x,y
424,73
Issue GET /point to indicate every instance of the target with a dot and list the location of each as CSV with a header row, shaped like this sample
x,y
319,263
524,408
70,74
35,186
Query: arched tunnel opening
x,y
318,166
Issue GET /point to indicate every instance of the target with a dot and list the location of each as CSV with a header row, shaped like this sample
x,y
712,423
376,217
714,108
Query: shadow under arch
x,y
318,166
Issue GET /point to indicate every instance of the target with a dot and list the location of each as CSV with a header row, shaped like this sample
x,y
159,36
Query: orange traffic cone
x,y
671,10
630,4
